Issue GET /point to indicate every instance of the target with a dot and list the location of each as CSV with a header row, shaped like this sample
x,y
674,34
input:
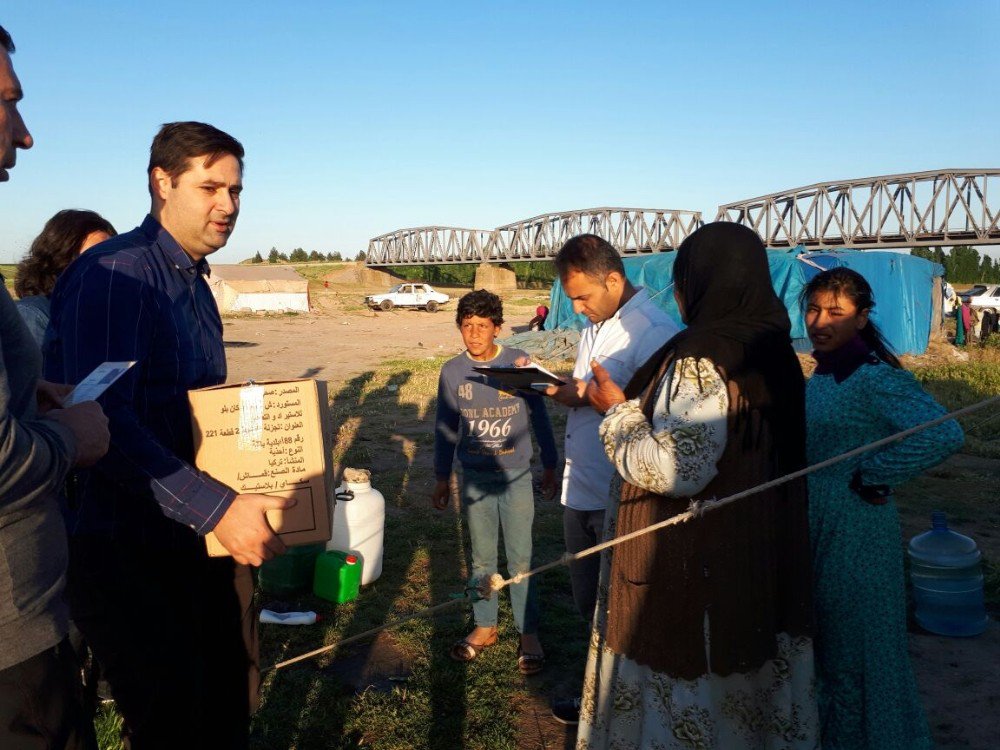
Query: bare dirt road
x,y
334,346
342,339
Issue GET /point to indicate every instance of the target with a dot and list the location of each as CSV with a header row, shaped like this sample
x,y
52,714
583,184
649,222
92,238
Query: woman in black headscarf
x,y
702,631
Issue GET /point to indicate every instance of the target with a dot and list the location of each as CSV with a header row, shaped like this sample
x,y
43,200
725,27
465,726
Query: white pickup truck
x,y
408,295
983,296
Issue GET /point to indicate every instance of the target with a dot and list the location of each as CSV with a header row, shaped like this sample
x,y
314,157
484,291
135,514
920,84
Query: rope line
x,y
497,582
372,631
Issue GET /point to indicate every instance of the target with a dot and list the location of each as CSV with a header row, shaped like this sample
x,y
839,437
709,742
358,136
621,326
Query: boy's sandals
x,y
529,664
464,650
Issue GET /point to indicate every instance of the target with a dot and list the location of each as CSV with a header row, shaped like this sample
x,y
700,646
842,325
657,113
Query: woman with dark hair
x,y
65,236
860,393
702,630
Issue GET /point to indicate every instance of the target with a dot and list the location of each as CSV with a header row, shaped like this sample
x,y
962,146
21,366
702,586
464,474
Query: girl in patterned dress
x,y
860,393
702,632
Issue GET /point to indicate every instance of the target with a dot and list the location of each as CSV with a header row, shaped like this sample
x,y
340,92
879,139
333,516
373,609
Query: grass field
x,y
385,420
345,700
487,704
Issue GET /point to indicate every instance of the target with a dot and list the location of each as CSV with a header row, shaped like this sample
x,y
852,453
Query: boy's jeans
x,y
494,499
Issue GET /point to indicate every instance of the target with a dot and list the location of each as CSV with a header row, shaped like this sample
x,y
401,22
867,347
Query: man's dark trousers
x,y
42,706
174,633
583,529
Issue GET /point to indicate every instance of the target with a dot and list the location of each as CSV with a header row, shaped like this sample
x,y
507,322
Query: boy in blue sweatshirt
x,y
487,425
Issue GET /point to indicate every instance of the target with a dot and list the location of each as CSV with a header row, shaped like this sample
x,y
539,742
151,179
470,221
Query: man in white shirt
x,y
626,329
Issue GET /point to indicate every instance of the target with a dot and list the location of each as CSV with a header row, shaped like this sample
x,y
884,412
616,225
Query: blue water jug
x,y
947,581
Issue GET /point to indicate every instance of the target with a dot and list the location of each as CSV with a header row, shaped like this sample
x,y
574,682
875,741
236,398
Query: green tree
x,y
986,270
361,255
314,256
298,255
257,258
962,263
274,256
335,256
282,257
965,264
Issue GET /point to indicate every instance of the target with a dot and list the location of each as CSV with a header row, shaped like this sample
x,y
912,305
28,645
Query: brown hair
x,y
55,248
177,142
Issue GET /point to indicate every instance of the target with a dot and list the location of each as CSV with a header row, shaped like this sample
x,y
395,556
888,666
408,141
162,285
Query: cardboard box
x,y
269,438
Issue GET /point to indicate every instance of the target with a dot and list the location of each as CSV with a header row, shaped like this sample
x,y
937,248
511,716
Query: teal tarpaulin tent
x,y
902,285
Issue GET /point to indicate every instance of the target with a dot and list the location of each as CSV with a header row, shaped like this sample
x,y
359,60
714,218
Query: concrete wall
x,y
372,278
495,277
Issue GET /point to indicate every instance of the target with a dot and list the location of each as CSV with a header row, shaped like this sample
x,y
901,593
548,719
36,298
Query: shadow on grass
x,y
320,703
564,635
482,705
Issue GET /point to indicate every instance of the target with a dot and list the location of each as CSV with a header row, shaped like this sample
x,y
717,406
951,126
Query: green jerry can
x,y
291,572
338,576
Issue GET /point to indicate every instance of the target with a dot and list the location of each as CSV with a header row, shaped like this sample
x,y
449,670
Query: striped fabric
x,y
140,297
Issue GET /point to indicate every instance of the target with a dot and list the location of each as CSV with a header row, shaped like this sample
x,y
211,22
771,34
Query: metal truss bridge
x,y
944,207
629,230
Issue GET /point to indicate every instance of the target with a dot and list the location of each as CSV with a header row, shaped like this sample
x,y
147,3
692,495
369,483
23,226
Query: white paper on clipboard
x,y
97,382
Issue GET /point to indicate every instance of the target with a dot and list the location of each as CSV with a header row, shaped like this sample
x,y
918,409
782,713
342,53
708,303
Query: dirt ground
x,y
336,344
959,679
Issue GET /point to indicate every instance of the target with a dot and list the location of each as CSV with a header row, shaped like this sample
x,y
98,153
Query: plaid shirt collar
x,y
174,252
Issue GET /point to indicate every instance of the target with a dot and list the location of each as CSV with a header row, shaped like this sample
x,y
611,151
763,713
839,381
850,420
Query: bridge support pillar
x,y
377,278
495,277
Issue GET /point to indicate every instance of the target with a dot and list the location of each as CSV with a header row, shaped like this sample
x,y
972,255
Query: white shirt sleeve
x,y
677,454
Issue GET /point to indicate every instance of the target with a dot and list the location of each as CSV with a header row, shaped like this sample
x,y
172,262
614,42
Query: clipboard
x,y
523,378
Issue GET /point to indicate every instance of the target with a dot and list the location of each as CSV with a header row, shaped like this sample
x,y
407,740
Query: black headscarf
x,y
722,274
736,320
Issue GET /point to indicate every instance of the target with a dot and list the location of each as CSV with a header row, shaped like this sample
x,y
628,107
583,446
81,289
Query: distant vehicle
x,y
408,295
983,296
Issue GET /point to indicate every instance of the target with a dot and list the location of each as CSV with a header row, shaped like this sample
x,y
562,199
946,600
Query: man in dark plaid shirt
x,y
172,629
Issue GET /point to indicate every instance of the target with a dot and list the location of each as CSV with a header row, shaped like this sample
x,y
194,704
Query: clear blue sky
x,y
362,118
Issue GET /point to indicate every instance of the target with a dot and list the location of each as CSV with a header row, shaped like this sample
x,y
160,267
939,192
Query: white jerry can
x,y
358,524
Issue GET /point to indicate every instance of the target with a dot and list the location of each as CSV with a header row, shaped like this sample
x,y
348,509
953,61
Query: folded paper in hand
x,y
96,383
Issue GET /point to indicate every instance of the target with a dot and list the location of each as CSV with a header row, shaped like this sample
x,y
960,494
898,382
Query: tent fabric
x,y
903,286
546,345
258,289
269,302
